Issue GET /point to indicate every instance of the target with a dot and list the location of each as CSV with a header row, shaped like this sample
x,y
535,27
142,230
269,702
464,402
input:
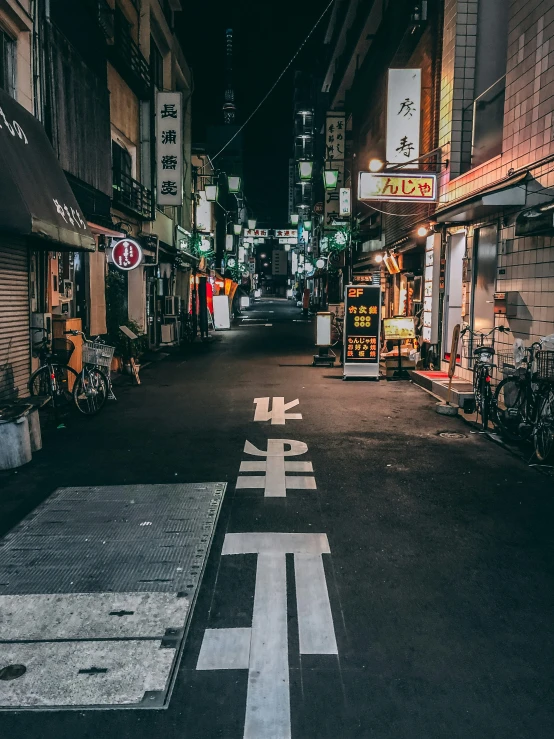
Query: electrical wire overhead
x,y
256,109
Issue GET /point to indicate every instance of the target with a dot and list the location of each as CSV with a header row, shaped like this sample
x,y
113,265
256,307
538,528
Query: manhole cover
x,y
451,435
12,672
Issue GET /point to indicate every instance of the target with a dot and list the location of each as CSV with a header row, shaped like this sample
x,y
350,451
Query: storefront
x,y
39,216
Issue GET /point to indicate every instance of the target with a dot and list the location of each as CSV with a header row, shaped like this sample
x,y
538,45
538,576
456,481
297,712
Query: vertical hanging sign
x,y
335,142
403,116
169,148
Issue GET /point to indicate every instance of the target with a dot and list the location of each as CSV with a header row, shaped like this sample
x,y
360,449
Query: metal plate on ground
x,y
98,565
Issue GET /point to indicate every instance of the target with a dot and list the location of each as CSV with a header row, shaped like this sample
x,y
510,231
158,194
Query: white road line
x,y
268,697
225,649
278,414
315,621
268,324
254,543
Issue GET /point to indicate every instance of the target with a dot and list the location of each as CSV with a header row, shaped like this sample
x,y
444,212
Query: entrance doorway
x,y
455,251
484,278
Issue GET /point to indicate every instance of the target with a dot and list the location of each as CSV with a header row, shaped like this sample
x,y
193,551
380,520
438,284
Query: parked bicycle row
x,y
521,406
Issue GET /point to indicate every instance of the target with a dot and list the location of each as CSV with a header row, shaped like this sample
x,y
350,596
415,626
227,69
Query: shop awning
x,y
35,196
510,192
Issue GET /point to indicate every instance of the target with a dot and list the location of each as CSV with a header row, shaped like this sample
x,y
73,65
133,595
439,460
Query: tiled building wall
x,y
525,265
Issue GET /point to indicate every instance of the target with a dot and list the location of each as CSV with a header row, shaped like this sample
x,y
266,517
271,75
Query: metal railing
x,y
130,194
128,59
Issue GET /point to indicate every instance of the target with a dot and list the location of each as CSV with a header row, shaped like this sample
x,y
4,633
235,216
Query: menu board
x,y
362,323
399,328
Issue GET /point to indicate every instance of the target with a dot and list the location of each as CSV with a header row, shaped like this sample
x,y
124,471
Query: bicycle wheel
x,y
543,436
90,391
59,387
510,404
484,401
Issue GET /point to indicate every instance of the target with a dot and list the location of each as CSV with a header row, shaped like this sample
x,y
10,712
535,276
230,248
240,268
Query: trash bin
x,y
15,439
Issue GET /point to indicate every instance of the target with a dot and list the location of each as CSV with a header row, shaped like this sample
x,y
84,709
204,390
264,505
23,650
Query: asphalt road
x,y
430,617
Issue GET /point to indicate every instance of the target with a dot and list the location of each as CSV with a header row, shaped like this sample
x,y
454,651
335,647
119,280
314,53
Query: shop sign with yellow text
x,y
420,188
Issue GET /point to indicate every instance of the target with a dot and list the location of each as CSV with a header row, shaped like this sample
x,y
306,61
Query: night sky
x,y
266,35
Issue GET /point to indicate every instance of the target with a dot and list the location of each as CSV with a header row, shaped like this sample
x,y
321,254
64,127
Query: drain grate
x,y
451,435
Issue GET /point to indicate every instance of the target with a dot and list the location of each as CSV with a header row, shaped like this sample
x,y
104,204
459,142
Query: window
x,y
156,66
485,116
122,163
7,64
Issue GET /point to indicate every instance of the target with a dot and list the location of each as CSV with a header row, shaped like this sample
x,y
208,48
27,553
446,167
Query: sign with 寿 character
x,y
169,148
403,116
362,330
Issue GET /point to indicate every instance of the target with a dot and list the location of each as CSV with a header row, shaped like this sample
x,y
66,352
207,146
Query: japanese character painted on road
x,y
276,482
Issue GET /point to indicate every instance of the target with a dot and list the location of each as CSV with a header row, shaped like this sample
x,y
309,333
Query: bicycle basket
x,y
505,362
472,349
98,354
62,349
545,365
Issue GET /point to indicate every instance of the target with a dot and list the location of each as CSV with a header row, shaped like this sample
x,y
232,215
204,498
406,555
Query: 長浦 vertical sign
x,y
169,148
362,324
403,115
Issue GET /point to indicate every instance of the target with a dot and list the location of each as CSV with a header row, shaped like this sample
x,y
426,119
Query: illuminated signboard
x,y
418,188
256,232
286,233
126,254
397,329
403,115
362,323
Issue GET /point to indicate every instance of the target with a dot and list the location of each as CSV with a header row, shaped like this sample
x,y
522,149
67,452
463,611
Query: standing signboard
x,y
169,148
362,331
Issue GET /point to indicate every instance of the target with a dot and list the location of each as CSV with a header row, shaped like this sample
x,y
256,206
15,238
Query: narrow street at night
x,y
400,588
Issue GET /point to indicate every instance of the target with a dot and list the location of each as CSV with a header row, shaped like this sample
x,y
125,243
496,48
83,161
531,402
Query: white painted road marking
x,y
268,696
276,482
225,649
278,414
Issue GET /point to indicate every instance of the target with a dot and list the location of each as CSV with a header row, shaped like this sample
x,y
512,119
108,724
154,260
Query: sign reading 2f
x,y
362,328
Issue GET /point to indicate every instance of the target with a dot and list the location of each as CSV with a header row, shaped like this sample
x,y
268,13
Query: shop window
x,y
7,64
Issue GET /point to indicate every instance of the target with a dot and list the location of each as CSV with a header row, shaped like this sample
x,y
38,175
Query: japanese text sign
x,y
344,200
126,254
169,148
256,232
362,318
403,115
420,188
335,143
286,233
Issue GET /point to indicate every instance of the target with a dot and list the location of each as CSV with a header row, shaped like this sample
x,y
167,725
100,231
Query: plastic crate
x,y
98,354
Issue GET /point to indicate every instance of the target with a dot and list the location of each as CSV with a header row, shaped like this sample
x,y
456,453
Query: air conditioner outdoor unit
x,y
172,305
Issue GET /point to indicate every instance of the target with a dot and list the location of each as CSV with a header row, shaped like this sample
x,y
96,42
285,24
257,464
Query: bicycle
x,y
93,387
483,358
524,401
54,378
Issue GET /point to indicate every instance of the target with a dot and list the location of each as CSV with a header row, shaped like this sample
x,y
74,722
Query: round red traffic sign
x,y
126,254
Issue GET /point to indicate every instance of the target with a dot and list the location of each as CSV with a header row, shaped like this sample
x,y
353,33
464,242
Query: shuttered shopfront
x,y
14,318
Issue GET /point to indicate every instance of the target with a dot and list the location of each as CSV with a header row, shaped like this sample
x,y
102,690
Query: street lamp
x,y
252,224
375,165
294,219
212,191
233,183
305,170
330,178
320,263
422,231
237,229
307,226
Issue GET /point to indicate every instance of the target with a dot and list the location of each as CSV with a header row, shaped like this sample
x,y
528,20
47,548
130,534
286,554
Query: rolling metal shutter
x,y
14,318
